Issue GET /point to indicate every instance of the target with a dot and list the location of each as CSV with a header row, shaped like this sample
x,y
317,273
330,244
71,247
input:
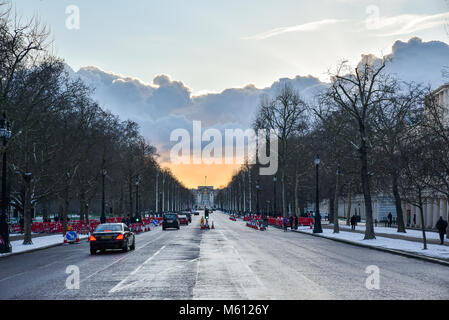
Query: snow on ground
x,y
41,242
410,232
433,250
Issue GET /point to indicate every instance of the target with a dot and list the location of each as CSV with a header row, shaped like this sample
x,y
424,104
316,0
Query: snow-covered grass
x,y
41,242
433,250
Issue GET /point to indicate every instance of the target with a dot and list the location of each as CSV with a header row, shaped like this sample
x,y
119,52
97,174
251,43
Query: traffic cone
x,y
65,238
213,227
77,237
310,226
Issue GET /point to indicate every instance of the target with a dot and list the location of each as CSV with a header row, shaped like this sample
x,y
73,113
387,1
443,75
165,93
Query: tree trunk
x,y
82,205
284,202
447,219
398,202
331,207
337,194
27,240
421,212
369,231
65,209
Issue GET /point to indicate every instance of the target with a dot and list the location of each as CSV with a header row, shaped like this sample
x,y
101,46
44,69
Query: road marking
x,y
113,263
120,286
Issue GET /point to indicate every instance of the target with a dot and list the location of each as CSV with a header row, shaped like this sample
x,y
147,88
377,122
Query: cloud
x,y
166,104
306,27
406,24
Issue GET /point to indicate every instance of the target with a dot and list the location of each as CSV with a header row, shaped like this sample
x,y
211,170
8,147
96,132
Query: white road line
x,y
119,286
110,265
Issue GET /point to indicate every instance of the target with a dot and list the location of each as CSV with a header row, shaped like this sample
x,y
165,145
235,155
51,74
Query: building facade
x,y
204,197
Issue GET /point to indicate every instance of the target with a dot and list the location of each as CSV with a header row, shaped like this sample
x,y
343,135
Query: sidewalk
x,y
413,248
39,242
410,235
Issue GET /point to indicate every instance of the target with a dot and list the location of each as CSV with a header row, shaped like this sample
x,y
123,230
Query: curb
x,y
397,252
35,249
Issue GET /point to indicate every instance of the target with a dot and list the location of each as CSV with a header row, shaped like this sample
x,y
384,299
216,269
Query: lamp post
x,y
257,197
5,133
137,196
275,179
317,227
103,216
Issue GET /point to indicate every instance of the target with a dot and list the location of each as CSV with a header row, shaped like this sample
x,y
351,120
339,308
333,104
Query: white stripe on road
x,y
120,286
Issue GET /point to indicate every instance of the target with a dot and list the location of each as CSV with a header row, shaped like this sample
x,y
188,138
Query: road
x,y
230,262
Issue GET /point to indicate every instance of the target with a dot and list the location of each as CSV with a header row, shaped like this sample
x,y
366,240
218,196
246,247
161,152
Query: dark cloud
x,y
166,104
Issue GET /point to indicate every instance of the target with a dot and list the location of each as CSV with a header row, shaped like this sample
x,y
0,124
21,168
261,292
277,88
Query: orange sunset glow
x,y
192,175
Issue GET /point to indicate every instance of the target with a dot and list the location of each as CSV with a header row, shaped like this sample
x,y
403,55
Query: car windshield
x,y
170,216
109,228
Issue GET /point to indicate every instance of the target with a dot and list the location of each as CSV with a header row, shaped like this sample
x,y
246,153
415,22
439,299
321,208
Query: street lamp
x,y
257,197
5,133
103,216
137,196
317,227
275,179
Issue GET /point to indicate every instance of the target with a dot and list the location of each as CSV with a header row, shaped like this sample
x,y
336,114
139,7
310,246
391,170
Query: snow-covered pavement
x,y
38,243
433,250
411,233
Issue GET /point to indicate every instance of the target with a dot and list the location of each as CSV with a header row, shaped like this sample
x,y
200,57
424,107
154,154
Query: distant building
x,y
441,98
204,196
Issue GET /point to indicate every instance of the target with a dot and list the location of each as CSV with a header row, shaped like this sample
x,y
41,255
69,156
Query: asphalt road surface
x,y
230,262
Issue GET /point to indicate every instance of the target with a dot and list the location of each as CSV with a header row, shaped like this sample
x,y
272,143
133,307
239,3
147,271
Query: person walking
x,y
353,223
441,226
284,222
390,219
296,222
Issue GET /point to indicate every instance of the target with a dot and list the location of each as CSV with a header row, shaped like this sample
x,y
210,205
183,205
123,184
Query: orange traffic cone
x,y
77,237
310,226
213,227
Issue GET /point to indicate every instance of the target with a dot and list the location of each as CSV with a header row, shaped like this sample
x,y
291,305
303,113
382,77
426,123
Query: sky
x,y
208,58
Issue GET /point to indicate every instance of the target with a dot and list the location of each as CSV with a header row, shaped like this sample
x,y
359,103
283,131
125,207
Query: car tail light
x,y
92,238
120,237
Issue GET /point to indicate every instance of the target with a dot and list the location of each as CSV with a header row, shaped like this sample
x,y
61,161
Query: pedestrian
x,y
441,226
284,223
390,219
353,222
291,222
414,220
296,222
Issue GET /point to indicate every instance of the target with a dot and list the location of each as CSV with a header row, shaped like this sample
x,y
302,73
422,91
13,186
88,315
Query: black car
x,y
112,236
170,220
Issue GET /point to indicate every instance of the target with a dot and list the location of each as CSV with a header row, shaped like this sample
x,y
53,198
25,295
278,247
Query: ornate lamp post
x,y
275,179
257,198
5,134
137,196
317,227
103,216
